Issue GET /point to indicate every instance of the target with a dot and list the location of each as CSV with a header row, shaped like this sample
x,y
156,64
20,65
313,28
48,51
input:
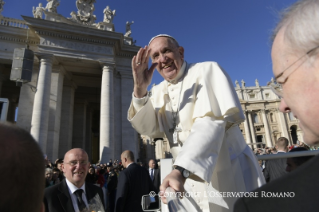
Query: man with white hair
x,y
198,111
296,68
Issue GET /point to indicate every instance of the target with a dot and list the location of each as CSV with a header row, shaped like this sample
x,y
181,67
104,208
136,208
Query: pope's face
x,y
300,91
168,56
76,173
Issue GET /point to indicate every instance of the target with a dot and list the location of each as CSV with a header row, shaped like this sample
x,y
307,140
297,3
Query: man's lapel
x,y
89,192
65,198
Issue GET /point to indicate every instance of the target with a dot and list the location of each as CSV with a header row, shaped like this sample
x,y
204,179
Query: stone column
x,y
79,124
66,126
252,128
159,149
107,114
129,138
26,100
283,124
267,132
118,117
55,114
40,113
88,142
247,132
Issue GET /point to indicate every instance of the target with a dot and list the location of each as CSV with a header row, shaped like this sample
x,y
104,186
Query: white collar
x,y
179,74
73,188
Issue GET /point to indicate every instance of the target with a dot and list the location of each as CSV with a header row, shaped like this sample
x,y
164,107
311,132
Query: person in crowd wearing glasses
x,y
73,193
197,109
295,57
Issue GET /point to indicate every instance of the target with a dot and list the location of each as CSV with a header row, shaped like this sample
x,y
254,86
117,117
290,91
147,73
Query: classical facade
x,y
81,83
264,123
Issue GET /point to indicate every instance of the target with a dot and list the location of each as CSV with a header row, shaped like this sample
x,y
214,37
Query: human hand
x,y
142,75
176,181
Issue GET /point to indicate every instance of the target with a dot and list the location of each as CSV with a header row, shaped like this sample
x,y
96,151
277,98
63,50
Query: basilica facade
x,y
81,83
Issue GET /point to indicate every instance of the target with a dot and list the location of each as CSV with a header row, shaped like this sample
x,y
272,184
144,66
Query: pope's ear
x,y
181,51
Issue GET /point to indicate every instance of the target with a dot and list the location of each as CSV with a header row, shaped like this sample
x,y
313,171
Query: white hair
x,y
301,24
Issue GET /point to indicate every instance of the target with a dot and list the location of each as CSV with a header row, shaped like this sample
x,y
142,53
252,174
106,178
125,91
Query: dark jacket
x,y
275,168
157,179
294,192
133,183
57,197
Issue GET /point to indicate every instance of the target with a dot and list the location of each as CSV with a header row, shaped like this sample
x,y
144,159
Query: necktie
x,y
81,204
152,174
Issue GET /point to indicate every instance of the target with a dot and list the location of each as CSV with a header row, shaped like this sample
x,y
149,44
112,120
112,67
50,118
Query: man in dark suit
x,y
72,194
155,174
133,183
295,59
111,189
277,167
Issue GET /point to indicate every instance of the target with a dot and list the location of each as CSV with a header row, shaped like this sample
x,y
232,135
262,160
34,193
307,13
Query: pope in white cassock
x,y
198,111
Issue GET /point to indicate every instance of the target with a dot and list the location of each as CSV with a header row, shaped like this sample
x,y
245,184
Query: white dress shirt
x,y
72,189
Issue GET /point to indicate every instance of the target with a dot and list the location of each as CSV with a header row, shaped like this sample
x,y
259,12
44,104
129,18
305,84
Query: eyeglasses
x,y
276,85
74,163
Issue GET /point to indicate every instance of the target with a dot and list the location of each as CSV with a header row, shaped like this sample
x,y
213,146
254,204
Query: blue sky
x,y
234,33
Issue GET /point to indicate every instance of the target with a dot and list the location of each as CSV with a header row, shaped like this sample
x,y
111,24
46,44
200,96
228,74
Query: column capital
x,y
43,57
107,65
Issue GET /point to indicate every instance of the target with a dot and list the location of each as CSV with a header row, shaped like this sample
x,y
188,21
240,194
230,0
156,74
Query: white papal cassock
x,y
210,144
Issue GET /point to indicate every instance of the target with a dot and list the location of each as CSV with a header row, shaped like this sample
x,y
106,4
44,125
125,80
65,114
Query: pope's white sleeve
x,y
200,151
138,103
142,116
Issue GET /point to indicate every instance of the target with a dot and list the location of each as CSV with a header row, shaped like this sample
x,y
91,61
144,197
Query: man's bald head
x,y
22,168
127,157
75,151
75,166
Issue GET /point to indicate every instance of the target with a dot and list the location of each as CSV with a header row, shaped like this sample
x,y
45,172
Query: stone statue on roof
x,y
128,29
1,6
237,84
85,12
242,83
108,15
52,6
257,83
38,11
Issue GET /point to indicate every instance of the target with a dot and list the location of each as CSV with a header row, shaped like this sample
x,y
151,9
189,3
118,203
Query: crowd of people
x,y
275,168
